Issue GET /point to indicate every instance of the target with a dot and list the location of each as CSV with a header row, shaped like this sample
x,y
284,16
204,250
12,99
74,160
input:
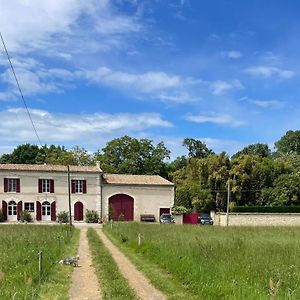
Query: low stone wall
x,y
258,219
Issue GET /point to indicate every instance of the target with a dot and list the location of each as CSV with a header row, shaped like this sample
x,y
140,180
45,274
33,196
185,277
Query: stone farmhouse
x,y
43,190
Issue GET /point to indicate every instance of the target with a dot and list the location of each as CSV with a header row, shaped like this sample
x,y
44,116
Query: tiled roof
x,y
49,168
124,179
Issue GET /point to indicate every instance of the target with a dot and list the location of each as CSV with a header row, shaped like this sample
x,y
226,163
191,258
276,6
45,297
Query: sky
x,y
222,71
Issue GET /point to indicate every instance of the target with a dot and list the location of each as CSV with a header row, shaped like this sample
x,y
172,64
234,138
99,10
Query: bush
x,y
180,210
25,216
63,217
91,216
2,219
266,209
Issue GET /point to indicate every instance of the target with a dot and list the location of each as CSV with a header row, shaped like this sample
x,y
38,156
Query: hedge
x,y
266,209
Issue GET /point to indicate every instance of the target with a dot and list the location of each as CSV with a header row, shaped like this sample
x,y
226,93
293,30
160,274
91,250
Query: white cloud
x,y
267,72
220,119
268,103
234,54
53,127
219,87
180,97
63,29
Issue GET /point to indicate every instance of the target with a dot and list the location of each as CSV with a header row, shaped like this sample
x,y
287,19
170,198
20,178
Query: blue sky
x,y
225,72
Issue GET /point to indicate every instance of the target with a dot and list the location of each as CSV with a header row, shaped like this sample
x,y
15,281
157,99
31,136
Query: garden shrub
x,y
91,216
2,219
63,217
25,216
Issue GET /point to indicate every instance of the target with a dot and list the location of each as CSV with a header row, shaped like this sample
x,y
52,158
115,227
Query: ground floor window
x,y
12,208
46,209
29,206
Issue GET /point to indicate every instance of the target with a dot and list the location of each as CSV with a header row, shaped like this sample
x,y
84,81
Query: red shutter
x,y
18,185
53,211
40,185
19,209
51,185
5,185
38,211
4,209
73,186
84,186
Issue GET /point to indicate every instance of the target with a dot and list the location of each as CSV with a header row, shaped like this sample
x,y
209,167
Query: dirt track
x,y
141,285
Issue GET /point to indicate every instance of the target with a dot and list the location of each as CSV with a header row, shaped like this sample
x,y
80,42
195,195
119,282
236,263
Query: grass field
x,y
19,275
113,284
208,262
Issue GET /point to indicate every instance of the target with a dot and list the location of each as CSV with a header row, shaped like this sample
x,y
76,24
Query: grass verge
x,y
213,262
58,285
113,284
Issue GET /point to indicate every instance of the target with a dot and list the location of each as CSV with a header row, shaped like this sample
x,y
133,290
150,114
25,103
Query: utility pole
x,y
69,193
228,201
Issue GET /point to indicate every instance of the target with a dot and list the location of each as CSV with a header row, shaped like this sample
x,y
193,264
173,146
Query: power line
x,y
20,91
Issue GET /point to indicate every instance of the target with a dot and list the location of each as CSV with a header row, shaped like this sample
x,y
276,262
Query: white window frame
x,y
12,185
46,185
12,209
78,186
46,209
30,207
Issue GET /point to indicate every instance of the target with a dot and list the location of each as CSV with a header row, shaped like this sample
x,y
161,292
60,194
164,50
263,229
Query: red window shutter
x,y
40,187
84,186
4,209
19,209
38,211
51,185
5,185
73,182
18,185
53,211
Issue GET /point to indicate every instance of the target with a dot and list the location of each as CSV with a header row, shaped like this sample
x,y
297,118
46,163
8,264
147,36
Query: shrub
x,y
91,216
267,209
180,210
25,216
2,219
63,217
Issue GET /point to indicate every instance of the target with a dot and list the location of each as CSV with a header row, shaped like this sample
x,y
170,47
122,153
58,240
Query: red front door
x,y
121,207
78,211
164,211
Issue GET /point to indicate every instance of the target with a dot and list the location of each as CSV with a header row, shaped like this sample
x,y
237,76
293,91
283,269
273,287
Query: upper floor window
x,y
46,186
78,186
12,185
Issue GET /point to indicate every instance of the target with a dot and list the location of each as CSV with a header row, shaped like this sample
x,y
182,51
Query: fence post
x,y
40,254
139,239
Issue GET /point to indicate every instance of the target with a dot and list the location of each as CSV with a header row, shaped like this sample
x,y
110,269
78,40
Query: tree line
x,y
258,176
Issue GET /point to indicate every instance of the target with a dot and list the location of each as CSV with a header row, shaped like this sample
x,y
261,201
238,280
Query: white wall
x,y
147,199
29,189
258,219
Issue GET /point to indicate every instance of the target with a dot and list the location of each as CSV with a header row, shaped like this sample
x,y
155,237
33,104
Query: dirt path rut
x,y
84,284
136,279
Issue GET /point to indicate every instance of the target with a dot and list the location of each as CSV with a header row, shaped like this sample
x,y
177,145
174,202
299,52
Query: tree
x,y
259,149
289,143
55,155
23,154
133,156
196,148
81,156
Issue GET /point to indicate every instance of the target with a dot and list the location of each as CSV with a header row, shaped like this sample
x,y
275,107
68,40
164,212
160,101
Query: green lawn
x,y
208,262
19,247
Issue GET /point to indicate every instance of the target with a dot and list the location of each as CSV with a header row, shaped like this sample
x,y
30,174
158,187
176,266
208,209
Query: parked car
x,y
166,219
205,219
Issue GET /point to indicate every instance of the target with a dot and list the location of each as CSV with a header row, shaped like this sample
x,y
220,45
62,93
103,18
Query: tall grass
x,y
19,247
220,263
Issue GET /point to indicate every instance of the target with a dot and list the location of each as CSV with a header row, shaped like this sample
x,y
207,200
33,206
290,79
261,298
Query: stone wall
x,y
258,219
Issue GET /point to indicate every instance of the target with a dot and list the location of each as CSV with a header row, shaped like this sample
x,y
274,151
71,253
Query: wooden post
x,y
228,202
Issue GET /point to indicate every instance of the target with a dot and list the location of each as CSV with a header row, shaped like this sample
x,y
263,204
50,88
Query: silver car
x,y
166,219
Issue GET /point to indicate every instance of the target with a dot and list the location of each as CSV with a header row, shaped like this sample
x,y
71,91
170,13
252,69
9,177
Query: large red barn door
x,y
121,205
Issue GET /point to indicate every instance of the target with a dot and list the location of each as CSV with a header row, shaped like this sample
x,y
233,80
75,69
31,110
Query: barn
x,y
44,191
